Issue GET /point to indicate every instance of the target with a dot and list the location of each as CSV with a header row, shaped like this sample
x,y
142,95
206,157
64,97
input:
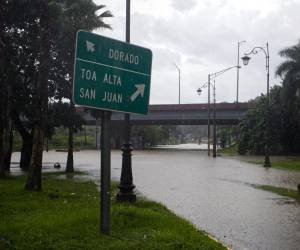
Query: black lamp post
x,y
199,90
246,58
214,124
126,187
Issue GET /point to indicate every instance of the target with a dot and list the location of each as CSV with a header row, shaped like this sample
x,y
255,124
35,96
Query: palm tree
x,y
58,26
79,14
289,70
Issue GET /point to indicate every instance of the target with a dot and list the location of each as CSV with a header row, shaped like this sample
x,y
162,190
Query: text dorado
x,y
123,56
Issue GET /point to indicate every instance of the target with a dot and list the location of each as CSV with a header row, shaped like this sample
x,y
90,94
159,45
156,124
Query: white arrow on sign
x,y
90,46
140,89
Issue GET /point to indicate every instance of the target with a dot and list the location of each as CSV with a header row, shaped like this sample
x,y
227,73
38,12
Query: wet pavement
x,y
216,195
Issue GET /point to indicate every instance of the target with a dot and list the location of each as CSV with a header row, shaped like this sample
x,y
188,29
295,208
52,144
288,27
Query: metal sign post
x,y
115,76
105,172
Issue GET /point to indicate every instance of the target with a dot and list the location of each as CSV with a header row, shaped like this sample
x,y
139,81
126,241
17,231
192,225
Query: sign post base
x,y
105,173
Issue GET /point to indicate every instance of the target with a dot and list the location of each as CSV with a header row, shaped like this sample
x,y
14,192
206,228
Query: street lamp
x,y
199,90
178,82
237,72
246,58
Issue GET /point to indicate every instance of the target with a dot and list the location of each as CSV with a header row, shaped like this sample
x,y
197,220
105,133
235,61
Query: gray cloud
x,y
184,5
201,37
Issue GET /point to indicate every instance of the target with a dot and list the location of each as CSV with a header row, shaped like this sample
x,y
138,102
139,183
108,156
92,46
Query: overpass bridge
x,y
179,114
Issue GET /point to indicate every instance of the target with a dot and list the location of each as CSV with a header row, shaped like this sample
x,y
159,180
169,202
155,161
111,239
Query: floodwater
x,y
216,195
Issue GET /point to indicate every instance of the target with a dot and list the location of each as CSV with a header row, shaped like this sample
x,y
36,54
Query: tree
x,y
6,73
61,116
21,70
284,135
21,73
289,71
290,68
79,14
34,180
252,129
2,55
224,134
149,136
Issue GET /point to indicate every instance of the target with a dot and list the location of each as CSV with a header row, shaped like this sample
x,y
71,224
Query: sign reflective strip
x,y
106,65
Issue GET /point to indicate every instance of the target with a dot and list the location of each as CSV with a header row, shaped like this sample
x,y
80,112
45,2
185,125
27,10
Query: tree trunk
x,y
2,129
34,177
27,142
8,151
26,152
2,169
2,63
70,161
7,124
3,97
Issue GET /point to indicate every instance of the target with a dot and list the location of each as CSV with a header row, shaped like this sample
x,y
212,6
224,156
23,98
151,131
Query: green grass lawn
x,y
285,163
281,191
289,163
231,150
65,215
60,141
281,162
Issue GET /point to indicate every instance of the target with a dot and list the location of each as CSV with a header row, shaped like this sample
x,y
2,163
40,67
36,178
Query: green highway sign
x,y
111,75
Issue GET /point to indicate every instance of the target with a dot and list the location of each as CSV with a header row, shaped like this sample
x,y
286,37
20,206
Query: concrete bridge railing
x,y
180,114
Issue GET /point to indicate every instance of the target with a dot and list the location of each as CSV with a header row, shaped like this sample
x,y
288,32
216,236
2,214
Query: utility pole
x,y
179,76
215,125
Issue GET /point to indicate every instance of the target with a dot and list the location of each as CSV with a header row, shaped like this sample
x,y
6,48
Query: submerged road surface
x,y
216,195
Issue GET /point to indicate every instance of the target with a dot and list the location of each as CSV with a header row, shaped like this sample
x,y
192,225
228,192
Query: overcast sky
x,y
201,37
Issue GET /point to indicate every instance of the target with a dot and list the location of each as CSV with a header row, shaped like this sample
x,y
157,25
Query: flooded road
x,y
216,195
